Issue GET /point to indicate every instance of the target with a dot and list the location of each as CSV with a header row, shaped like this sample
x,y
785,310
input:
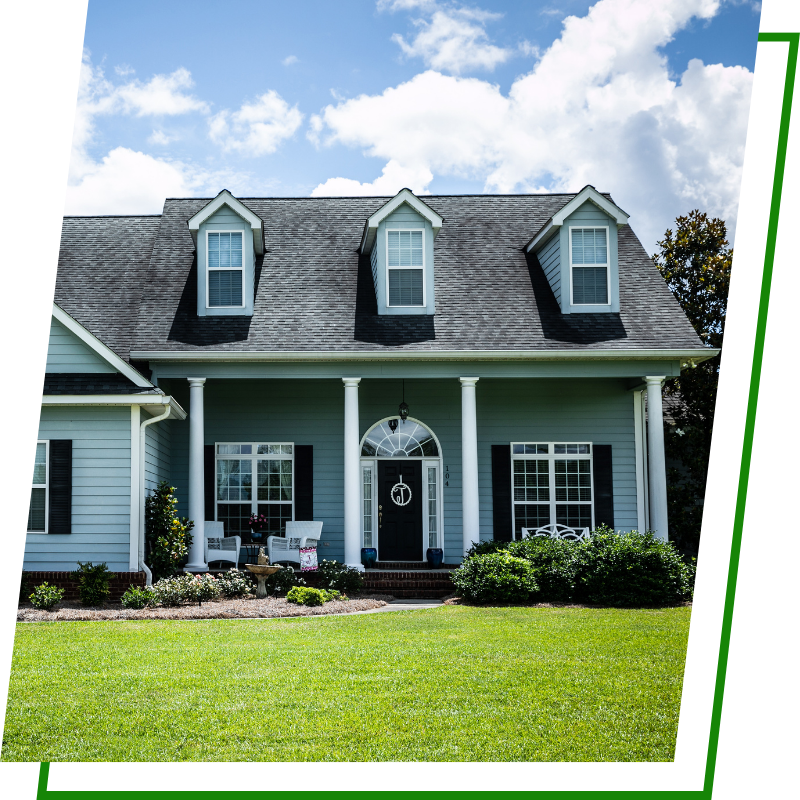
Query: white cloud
x,y
158,137
599,107
454,40
289,60
394,177
123,70
256,128
162,95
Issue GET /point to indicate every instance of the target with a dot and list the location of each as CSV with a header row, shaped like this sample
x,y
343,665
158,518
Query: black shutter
x,y
60,516
303,482
501,492
208,480
603,486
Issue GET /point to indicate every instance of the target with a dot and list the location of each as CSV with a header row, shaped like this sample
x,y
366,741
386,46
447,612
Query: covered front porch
x,y
478,456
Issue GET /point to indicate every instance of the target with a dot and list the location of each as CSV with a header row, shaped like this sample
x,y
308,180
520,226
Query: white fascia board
x,y
593,196
687,354
544,234
146,401
105,352
225,198
403,196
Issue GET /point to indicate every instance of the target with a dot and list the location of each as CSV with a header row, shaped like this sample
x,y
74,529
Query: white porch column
x,y
197,500
470,506
352,475
657,469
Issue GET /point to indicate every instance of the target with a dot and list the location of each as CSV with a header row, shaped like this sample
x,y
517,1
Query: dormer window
x,y
225,269
589,265
406,267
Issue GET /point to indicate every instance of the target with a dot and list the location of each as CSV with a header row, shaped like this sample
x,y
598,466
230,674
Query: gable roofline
x,y
105,352
403,196
225,198
587,194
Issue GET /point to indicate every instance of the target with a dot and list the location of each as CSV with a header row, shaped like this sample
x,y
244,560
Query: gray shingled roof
x,y
314,291
74,383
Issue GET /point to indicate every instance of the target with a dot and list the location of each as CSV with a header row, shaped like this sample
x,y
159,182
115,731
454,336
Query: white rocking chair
x,y
557,531
220,547
298,534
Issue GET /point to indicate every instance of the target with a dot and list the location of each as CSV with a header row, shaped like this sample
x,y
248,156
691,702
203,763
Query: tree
x,y
168,537
695,261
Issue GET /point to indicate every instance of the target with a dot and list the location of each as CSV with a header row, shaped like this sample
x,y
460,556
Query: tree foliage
x,y
695,261
168,537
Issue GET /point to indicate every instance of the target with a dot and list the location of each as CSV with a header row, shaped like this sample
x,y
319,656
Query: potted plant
x,y
258,526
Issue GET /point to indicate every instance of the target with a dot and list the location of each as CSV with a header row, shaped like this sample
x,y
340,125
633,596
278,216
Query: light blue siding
x,y
157,444
312,412
550,260
226,220
589,215
373,260
101,485
67,353
403,217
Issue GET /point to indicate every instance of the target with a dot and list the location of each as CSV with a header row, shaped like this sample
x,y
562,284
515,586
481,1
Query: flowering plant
x,y
258,522
168,536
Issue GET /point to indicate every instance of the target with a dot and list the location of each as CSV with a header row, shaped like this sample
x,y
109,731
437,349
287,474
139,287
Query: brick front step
x,y
407,565
422,583
119,583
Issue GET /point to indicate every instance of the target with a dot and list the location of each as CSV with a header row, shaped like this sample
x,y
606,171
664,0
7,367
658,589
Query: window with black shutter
x,y
59,494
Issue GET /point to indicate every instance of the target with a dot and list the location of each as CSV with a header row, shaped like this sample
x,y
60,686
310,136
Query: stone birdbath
x,y
262,571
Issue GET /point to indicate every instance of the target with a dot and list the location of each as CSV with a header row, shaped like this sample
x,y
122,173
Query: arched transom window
x,y
409,440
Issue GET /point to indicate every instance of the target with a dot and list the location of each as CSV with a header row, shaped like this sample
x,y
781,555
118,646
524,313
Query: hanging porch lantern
x,y
403,410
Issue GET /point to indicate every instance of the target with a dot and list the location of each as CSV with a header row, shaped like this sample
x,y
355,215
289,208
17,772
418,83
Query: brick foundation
x,y
119,583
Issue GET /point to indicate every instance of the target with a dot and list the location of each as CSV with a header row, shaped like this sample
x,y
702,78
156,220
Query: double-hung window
x,y
406,267
254,478
37,511
551,483
225,273
589,266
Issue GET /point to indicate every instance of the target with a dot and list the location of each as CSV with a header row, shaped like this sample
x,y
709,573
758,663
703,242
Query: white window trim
x,y
437,465
227,269
423,268
45,485
607,265
254,501
551,457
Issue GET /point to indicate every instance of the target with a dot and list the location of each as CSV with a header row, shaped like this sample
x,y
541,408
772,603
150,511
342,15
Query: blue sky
x,y
647,101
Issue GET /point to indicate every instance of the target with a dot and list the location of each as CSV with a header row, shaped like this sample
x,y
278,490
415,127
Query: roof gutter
x,y
147,401
688,355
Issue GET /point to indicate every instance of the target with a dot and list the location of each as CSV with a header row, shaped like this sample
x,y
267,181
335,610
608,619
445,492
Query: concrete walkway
x,y
407,604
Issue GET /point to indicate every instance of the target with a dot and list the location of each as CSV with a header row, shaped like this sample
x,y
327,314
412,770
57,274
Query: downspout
x,y
142,565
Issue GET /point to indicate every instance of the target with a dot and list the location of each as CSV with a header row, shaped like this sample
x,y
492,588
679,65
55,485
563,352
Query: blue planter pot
x,y
369,555
435,556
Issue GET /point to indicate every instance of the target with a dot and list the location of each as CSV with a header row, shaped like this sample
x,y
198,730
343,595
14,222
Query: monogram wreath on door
x,y
400,493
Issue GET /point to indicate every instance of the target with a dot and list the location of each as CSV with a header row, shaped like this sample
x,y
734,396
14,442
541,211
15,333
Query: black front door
x,y
399,511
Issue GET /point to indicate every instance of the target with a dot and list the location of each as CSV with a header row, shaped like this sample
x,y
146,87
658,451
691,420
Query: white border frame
x,y
46,487
424,268
607,265
227,269
551,458
254,455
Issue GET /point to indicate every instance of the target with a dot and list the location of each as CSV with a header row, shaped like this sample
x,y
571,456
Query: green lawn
x,y
450,684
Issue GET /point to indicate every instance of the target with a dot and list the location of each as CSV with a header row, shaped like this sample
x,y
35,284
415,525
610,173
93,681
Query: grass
x,y
451,684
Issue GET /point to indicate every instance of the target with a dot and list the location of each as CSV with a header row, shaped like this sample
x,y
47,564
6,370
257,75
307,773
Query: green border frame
x,y
793,39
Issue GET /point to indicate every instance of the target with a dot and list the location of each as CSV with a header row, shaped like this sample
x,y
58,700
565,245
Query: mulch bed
x,y
229,608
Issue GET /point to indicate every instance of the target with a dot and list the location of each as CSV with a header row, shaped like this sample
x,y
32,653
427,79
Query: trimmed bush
x,y
631,569
174,591
484,548
203,587
46,597
94,582
554,563
334,575
234,583
137,597
168,537
495,577
281,581
305,596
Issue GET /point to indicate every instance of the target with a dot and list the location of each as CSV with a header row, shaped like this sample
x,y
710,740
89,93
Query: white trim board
x,y
403,196
225,198
146,401
105,352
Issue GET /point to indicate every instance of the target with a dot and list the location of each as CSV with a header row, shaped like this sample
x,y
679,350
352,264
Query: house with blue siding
x,y
498,358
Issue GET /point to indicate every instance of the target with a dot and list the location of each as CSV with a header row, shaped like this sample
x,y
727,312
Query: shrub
x,y
167,535
93,582
173,591
332,594
334,575
495,576
46,597
283,580
24,586
234,583
203,587
305,596
484,548
139,597
554,565
631,569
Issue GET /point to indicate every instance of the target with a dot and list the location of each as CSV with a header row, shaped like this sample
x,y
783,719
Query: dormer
x,y
577,249
398,238
228,236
